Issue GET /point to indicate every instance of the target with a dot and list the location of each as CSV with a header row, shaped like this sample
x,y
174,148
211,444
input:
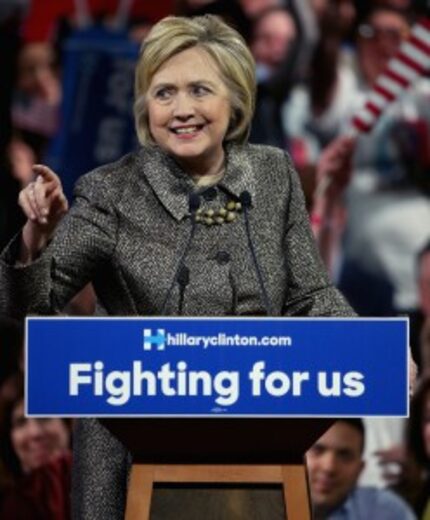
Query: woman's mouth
x,y
185,131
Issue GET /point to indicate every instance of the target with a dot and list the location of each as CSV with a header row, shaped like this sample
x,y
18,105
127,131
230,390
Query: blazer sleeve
x,y
309,290
84,240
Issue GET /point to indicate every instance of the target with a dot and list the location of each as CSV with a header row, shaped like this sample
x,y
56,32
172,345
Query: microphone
x,y
193,202
182,274
183,280
245,199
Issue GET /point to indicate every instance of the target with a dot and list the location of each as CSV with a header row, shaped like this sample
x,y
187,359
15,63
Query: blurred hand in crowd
x,y
392,461
334,168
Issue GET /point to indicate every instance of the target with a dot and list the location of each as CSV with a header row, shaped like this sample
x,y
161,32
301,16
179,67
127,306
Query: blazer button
x,y
222,257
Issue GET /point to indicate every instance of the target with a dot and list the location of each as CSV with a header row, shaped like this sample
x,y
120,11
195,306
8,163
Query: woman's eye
x,y
200,90
163,94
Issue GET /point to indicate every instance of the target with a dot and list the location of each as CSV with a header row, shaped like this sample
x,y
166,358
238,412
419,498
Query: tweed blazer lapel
x,y
169,182
172,185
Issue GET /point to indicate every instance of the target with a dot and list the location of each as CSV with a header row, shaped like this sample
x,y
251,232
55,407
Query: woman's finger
x,y
46,173
58,202
40,200
50,179
26,205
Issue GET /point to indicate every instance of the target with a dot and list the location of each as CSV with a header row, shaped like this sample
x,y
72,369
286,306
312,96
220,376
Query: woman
x,y
197,222
36,453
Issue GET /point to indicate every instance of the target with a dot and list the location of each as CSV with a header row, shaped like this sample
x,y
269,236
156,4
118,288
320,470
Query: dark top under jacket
x,y
126,232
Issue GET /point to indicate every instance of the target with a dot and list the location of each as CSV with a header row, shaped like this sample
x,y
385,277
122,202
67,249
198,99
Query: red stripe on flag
x,y
396,77
412,64
373,108
360,124
425,22
420,44
384,92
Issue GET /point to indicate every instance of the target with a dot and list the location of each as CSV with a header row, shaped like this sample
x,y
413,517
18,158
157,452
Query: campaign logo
x,y
151,340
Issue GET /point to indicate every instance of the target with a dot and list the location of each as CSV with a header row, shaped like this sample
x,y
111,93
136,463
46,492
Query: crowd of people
x,y
367,196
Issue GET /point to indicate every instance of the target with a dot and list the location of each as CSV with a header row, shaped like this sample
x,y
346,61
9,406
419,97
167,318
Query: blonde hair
x,y
226,47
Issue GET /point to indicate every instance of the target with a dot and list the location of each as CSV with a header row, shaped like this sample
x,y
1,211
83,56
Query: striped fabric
x,y
410,62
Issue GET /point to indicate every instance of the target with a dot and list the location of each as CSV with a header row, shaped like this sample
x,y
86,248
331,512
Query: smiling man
x,y
334,464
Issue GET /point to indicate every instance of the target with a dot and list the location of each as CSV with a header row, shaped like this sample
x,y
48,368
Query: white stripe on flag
x,y
366,116
403,70
389,84
415,54
422,33
378,100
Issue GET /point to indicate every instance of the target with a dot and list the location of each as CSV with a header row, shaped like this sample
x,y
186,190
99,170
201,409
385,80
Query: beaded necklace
x,y
225,214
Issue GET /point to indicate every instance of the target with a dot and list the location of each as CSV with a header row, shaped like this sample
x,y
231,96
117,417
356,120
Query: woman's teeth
x,y
188,130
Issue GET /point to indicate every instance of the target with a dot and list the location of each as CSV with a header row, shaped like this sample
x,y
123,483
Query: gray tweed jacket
x,y
126,231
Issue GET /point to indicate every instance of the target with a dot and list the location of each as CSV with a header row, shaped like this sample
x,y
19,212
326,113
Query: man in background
x,y
334,463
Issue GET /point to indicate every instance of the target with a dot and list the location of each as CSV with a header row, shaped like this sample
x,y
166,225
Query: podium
x,y
218,450
219,400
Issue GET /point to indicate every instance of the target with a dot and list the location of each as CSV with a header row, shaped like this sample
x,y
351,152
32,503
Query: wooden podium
x,y
218,450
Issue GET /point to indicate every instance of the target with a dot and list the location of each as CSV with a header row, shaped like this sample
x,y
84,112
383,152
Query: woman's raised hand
x,y
44,204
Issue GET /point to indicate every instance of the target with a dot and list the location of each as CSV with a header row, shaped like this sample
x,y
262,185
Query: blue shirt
x,y
369,503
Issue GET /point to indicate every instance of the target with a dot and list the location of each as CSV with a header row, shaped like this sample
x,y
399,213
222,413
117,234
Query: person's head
x,y
334,464
274,32
379,37
37,74
424,279
419,423
335,17
194,87
253,8
28,443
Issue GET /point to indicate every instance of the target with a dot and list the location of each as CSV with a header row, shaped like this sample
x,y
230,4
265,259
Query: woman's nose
x,y
184,106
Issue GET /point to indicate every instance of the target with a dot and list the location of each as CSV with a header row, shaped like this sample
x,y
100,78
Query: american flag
x,y
411,61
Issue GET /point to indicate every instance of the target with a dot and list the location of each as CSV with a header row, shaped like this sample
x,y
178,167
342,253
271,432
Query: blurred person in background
x,y
283,40
11,15
35,108
334,465
388,198
37,82
274,32
424,279
36,453
371,233
419,444
319,85
387,195
421,324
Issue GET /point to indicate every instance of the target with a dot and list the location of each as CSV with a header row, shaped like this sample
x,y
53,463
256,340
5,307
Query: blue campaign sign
x,y
250,367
